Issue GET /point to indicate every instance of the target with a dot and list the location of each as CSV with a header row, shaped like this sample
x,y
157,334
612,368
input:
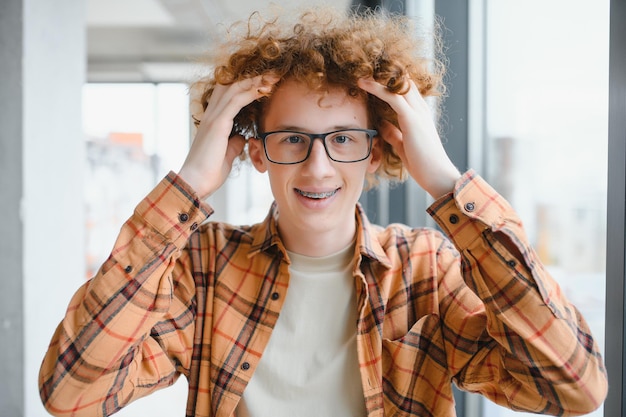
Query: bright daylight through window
x,y
546,131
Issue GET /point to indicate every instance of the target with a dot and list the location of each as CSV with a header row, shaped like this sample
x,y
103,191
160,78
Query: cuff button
x,y
183,217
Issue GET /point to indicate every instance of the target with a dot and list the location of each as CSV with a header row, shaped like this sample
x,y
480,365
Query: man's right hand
x,y
210,158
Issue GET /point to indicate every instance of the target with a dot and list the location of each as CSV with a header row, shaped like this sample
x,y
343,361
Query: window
x,y
135,134
545,137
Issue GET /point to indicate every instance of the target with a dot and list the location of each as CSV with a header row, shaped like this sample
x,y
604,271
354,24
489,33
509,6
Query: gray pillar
x,y
405,202
42,62
11,239
615,344
455,14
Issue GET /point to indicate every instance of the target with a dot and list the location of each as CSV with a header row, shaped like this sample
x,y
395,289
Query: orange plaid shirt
x,y
180,297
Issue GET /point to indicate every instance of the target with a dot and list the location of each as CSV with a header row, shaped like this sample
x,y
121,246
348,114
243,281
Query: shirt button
x,y
275,296
245,366
511,263
183,217
128,269
194,226
454,219
470,207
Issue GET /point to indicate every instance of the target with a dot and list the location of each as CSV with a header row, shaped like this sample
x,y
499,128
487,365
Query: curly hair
x,y
324,48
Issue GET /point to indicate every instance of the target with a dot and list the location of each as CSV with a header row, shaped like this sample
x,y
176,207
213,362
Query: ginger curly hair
x,y
324,48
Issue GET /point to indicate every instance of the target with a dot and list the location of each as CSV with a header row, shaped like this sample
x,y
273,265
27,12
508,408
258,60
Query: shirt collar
x,y
266,238
367,239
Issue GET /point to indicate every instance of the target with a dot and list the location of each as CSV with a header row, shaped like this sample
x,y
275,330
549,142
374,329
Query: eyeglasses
x,y
290,147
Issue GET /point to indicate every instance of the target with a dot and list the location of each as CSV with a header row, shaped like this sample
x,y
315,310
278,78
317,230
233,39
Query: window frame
x,y
615,317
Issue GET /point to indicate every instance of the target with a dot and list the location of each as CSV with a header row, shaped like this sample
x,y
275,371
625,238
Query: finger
x,y
380,91
401,103
413,96
254,87
230,99
226,101
392,135
235,147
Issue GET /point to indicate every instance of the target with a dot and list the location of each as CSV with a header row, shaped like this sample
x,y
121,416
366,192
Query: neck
x,y
317,244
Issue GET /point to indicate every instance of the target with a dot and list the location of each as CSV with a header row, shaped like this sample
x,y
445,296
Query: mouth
x,y
317,196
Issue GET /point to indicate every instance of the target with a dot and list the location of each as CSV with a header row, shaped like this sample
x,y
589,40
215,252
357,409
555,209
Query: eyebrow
x,y
301,129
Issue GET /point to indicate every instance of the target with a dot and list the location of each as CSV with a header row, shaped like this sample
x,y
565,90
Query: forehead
x,y
294,104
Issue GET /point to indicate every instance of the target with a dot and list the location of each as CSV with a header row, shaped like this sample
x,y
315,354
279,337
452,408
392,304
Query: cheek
x,y
356,175
279,176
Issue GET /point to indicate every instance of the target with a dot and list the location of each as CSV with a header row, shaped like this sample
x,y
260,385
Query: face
x,y
316,198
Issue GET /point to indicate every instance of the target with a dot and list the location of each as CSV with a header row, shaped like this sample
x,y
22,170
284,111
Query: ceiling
x,y
159,40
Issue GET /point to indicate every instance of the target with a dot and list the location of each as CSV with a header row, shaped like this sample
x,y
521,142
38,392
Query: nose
x,y
318,164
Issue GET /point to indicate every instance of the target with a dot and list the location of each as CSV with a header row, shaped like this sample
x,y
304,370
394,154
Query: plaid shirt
x,y
177,297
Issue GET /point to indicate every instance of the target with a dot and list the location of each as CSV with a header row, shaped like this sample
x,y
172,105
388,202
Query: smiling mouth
x,y
317,195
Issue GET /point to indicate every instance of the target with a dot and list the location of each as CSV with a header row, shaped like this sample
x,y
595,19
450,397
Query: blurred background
x,y
94,110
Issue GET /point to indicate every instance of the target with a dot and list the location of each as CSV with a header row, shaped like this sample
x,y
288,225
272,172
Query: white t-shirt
x,y
310,366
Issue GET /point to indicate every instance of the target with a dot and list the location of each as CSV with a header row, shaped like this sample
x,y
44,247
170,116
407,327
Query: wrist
x,y
442,184
197,181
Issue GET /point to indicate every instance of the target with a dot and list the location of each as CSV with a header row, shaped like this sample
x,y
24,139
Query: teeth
x,y
317,195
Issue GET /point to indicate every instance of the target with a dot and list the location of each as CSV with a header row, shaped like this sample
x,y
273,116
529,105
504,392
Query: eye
x,y
342,139
293,139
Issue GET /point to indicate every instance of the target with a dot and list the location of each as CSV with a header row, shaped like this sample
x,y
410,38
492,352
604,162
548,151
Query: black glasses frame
x,y
321,136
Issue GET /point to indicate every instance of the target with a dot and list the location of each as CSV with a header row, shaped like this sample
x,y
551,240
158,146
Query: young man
x,y
315,311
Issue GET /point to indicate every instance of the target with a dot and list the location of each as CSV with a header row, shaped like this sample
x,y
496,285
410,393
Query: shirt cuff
x,y
471,208
173,209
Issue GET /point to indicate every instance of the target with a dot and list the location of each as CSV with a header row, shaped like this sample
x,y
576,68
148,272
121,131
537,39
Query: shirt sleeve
x,y
110,347
525,346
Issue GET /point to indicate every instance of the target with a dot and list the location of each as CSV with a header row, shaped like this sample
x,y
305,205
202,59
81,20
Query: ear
x,y
257,154
377,155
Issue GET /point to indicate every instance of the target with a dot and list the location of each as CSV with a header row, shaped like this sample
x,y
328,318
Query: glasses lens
x,y
348,145
287,147
342,146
